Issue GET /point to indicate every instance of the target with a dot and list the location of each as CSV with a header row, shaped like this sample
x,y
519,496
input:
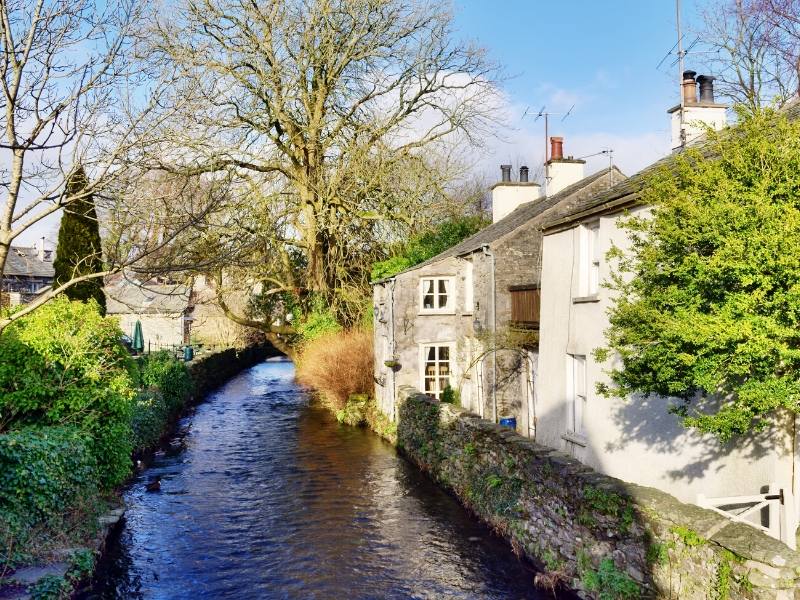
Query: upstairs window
x,y
435,369
590,260
436,294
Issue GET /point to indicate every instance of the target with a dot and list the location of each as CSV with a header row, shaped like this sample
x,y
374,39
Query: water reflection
x,y
264,496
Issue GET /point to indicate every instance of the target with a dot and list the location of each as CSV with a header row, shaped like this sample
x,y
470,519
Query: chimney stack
x,y
559,171
689,87
691,117
706,88
40,249
556,148
507,195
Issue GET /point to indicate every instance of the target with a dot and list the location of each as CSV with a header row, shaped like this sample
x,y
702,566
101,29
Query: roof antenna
x,y
543,113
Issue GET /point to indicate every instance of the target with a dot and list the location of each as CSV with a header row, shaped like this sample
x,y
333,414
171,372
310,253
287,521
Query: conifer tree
x,y
79,251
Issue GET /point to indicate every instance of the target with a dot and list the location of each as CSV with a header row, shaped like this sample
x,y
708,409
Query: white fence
x,y
775,508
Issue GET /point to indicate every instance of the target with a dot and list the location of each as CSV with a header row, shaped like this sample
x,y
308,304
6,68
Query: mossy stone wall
x,y
588,532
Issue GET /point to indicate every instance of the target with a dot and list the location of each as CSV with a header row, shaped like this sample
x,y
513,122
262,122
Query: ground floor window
x,y
436,369
576,392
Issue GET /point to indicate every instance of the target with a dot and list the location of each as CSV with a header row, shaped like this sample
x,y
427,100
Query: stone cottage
x,y
164,310
638,441
468,318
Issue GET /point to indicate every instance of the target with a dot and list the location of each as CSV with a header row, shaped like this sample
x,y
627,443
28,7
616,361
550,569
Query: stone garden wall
x,y
588,532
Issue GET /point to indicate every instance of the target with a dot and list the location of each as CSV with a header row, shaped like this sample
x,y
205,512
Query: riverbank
x,y
64,559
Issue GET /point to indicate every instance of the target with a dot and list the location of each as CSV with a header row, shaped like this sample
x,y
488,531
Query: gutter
x,y
488,253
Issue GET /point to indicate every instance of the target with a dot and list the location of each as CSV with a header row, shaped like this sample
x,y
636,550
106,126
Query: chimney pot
x,y
523,174
706,88
556,148
506,172
689,87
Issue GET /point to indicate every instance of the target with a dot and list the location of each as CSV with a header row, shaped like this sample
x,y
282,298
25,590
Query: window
x,y
436,294
435,369
590,260
576,392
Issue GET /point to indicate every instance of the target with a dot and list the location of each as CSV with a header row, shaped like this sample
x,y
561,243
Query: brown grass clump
x,y
338,365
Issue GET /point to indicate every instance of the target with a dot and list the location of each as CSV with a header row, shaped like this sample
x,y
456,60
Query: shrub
x,y
150,414
319,321
63,365
338,365
163,371
44,471
355,411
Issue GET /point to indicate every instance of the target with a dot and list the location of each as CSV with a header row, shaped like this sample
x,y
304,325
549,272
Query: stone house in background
x,y
163,309
449,321
638,440
174,314
28,271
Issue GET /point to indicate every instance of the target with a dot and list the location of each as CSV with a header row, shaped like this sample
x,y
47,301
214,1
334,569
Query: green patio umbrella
x,y
138,338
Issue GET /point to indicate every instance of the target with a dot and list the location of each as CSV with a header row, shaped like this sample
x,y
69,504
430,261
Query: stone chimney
x,y
561,172
508,195
689,120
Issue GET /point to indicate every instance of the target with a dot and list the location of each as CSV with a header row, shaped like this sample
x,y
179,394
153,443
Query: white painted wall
x,y
506,196
563,173
636,440
156,328
695,120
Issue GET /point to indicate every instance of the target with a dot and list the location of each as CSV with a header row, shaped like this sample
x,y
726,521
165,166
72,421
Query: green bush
x,y
63,365
163,371
44,471
427,245
150,414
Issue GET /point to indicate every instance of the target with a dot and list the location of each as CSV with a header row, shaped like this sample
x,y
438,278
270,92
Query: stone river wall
x,y
588,532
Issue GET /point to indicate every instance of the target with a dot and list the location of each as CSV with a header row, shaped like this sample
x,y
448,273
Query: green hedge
x,y
44,471
151,412
64,365
164,372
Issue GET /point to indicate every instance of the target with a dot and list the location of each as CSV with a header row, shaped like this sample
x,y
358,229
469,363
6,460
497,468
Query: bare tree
x,y
73,97
328,114
753,50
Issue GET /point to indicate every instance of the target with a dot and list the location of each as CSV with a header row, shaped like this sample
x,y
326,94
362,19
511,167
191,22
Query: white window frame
x,y
577,395
447,309
589,260
423,360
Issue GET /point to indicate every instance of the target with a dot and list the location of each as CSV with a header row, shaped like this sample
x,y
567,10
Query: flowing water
x,y
264,495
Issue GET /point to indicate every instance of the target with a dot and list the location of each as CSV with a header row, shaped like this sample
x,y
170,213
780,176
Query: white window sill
x,y
575,438
422,313
586,299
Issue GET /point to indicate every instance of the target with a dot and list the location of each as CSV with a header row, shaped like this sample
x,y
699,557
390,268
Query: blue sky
x,y
600,55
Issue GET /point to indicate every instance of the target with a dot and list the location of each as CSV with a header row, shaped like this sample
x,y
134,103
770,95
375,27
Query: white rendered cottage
x,y
638,440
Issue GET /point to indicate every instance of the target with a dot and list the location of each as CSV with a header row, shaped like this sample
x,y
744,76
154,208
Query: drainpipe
x,y
488,253
392,348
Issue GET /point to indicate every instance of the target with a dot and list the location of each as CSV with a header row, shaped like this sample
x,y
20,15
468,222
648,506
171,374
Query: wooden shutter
x,y
525,306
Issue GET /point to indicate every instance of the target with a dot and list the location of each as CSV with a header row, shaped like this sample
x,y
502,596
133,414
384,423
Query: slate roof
x,y
519,216
626,192
23,261
127,297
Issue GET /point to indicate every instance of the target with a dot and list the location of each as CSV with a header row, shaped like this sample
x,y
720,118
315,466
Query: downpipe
x,y
489,254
